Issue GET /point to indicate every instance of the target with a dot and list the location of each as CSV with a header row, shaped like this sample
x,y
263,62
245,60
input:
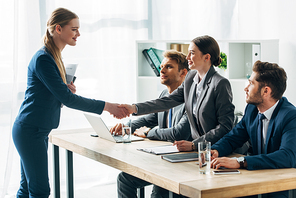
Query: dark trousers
x,y
281,194
32,143
127,187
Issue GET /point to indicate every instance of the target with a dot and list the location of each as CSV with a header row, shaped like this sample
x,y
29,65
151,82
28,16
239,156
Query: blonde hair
x,y
62,17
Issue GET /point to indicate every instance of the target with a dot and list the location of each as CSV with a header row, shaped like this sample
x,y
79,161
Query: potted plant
x,y
223,64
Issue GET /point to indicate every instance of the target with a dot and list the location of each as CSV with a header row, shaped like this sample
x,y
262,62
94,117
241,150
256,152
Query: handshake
x,y
120,111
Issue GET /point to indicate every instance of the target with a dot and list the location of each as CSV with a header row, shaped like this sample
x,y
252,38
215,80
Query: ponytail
x,y
56,53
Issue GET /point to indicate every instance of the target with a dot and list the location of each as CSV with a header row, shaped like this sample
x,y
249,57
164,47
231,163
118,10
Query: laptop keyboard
x,y
118,138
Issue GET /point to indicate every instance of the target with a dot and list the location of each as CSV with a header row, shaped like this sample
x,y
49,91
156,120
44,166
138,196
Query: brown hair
x,y
208,45
271,75
62,17
179,57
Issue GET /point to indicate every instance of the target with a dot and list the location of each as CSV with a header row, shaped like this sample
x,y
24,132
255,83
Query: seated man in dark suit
x,y
269,122
174,68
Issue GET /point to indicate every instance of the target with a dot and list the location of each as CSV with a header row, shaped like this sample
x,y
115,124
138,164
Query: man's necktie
x,y
259,132
170,118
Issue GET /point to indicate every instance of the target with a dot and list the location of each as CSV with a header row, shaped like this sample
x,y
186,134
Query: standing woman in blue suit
x,y
46,92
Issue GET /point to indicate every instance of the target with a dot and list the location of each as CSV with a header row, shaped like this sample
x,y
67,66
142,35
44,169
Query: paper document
x,y
70,72
160,149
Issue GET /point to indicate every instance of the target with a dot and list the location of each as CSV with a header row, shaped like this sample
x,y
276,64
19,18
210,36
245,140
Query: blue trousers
x,y
32,145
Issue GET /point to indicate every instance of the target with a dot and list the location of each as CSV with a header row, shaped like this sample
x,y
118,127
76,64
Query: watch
x,y
241,161
193,147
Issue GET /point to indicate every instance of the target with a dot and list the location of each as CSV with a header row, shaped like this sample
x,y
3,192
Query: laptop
x,y
103,132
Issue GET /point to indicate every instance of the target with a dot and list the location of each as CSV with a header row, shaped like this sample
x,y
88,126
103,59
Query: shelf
x,y
239,54
143,68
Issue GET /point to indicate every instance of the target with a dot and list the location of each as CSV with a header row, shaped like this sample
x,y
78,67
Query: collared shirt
x,y
265,122
198,84
167,120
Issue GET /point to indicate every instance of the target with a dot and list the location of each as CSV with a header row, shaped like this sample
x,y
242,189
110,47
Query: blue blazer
x,y
46,92
180,129
280,140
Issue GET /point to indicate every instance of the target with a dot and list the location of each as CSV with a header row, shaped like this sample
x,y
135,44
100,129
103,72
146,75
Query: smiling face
x,y
170,73
196,59
253,91
70,32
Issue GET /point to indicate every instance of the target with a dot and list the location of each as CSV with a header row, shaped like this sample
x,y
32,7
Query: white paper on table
x,y
160,149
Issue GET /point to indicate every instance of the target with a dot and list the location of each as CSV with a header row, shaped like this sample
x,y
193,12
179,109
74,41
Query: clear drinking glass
x,y
204,156
126,131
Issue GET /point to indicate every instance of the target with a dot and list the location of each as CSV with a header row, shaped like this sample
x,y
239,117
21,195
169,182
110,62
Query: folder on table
x,y
183,157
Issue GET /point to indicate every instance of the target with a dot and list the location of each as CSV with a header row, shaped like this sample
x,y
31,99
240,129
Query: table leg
x,y
56,172
69,177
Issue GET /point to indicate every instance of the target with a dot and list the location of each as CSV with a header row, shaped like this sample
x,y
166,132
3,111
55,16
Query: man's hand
x,y
141,131
224,162
115,110
72,87
214,154
183,145
117,129
129,108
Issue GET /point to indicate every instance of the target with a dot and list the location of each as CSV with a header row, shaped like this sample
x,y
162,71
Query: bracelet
x,y
146,131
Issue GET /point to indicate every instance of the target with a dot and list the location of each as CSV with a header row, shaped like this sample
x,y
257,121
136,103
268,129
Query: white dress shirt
x,y
265,122
198,90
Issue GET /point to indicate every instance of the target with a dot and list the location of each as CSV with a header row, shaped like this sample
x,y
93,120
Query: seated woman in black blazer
x,y
206,94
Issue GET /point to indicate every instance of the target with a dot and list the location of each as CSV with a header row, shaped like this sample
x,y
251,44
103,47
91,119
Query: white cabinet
x,y
241,54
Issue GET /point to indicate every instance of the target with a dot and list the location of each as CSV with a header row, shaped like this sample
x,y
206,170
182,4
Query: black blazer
x,y
214,106
179,131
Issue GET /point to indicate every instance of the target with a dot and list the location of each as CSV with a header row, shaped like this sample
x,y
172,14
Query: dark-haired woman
x,y
207,96
208,104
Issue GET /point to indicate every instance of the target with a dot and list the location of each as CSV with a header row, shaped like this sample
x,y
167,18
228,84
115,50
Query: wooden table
x,y
181,178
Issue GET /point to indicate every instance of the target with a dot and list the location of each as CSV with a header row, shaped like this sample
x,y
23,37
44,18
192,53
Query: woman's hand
x,y
72,87
116,111
141,131
130,108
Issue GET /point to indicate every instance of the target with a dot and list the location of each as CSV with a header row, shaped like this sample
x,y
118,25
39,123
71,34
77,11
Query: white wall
x,y
232,19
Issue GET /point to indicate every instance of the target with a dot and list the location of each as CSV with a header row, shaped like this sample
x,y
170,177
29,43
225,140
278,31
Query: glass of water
x,y
204,156
126,131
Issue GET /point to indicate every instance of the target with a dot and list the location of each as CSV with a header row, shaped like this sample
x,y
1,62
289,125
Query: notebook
x,y
103,132
183,157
